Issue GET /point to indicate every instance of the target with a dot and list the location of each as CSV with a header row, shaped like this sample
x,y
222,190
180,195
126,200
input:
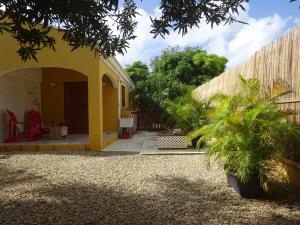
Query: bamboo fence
x,y
278,62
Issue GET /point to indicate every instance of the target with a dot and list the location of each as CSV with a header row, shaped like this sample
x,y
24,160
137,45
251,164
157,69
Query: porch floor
x,y
107,136
70,139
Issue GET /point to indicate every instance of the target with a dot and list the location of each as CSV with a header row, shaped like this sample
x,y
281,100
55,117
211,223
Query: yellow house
x,y
85,92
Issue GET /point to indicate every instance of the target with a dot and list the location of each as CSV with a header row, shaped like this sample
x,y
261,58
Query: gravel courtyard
x,y
114,188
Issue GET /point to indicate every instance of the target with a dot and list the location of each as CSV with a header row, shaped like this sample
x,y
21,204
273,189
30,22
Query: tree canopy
x,y
192,66
92,23
173,74
138,72
84,23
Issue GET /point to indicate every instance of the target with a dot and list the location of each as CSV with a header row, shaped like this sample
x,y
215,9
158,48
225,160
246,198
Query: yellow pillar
x,y
95,112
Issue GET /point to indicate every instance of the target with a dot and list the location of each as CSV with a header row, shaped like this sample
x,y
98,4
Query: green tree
x,y
191,66
83,23
138,72
174,73
152,89
211,64
161,88
88,23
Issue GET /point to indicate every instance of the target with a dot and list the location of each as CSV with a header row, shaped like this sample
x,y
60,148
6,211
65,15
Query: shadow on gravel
x,y
217,202
177,201
10,178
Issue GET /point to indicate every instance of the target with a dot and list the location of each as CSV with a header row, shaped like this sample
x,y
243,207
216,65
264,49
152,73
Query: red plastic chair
x,y
36,123
14,132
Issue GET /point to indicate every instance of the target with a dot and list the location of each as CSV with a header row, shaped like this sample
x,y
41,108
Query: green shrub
x,y
246,129
186,113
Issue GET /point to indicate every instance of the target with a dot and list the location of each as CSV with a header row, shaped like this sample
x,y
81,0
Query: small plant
x,y
186,113
246,129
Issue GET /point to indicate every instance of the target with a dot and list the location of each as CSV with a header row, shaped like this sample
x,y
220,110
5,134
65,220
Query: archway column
x,y
95,112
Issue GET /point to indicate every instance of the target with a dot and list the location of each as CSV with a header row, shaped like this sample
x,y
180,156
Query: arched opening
x,y
110,108
60,95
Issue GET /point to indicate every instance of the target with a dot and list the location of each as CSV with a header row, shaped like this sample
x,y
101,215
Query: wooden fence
x,y
277,62
150,122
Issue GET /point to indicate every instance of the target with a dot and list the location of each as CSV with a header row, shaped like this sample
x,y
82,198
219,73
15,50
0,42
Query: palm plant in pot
x,y
245,130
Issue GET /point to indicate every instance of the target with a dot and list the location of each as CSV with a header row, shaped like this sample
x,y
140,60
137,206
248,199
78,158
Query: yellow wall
x,y
126,98
126,111
110,106
53,97
107,71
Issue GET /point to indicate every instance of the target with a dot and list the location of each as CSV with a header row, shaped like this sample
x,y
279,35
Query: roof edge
x,y
115,65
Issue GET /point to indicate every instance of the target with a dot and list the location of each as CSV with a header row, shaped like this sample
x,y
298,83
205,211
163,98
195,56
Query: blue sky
x,y
268,19
260,7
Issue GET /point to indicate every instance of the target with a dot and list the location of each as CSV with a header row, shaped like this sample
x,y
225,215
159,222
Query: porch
x,y
62,97
102,78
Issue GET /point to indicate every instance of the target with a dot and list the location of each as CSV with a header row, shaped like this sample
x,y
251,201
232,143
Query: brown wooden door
x,y
76,107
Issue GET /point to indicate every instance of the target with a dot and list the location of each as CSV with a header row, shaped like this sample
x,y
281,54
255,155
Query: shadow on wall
x,y
178,201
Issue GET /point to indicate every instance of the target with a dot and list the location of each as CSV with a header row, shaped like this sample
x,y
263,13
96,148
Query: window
x,y
123,97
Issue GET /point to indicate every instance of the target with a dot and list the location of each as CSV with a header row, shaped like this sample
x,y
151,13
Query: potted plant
x,y
245,130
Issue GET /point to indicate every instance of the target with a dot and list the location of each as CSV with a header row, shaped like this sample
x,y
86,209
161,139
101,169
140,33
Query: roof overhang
x,y
113,63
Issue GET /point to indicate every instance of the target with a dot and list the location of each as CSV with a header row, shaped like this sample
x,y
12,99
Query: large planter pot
x,y
250,189
195,141
288,171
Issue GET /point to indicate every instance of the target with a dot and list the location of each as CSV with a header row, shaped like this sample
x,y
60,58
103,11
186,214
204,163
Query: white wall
x,y
19,93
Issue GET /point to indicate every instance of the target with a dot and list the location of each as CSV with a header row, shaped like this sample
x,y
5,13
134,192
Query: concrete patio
x,y
145,143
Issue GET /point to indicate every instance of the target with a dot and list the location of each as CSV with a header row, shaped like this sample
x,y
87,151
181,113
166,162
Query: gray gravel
x,y
112,188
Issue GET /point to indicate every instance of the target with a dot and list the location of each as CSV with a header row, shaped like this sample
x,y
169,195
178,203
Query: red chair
x,y
36,123
14,132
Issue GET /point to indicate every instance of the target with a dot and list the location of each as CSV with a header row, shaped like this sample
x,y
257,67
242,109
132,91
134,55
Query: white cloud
x,y
235,41
143,47
253,37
